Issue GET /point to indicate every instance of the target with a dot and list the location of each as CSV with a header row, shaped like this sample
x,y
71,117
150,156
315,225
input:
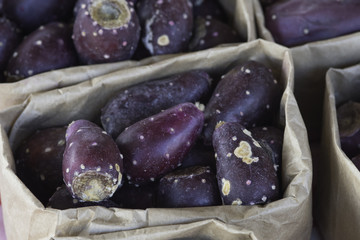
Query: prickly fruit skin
x,y
80,4
348,117
143,100
10,38
166,25
48,48
248,94
136,197
106,31
199,155
156,145
189,187
92,164
245,171
210,33
39,161
209,9
297,22
31,14
62,199
274,138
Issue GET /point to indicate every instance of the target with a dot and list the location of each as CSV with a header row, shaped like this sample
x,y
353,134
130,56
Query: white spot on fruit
x,y
30,72
306,31
48,149
237,202
247,92
163,40
42,177
38,42
273,187
248,182
247,71
228,155
106,56
67,170
83,33
61,142
234,138
273,17
225,186
82,166
264,198
203,180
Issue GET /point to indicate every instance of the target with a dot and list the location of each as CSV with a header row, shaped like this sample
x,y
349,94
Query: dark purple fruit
x,y
210,33
297,22
10,38
348,117
92,164
31,14
209,9
62,199
136,197
39,161
200,155
248,94
156,145
166,25
245,171
189,187
143,100
80,4
274,138
49,47
106,31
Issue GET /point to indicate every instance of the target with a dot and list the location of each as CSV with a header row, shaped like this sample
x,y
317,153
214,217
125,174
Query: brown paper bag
x,y
337,205
311,61
240,16
84,100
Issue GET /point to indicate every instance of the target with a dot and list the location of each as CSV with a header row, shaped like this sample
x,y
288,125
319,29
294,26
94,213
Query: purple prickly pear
x,y
143,100
156,145
166,25
31,14
92,164
248,94
245,169
106,31
39,161
49,47
189,187
10,38
297,22
210,33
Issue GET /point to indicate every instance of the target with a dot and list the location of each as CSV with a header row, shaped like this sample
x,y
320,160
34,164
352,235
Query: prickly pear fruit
x,y
297,22
189,187
248,94
92,164
106,31
166,25
210,33
62,199
49,47
38,161
143,100
31,14
348,116
245,171
156,145
10,38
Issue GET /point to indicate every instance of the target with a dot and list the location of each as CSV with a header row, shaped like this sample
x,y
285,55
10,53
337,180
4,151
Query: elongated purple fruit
x,y
143,100
348,116
106,31
156,145
31,14
166,25
49,47
297,22
10,38
245,171
210,33
92,164
136,197
39,161
248,94
189,187
62,199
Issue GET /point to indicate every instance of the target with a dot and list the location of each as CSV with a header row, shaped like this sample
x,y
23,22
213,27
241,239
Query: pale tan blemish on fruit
x,y
225,187
219,124
200,106
244,152
247,132
237,202
163,40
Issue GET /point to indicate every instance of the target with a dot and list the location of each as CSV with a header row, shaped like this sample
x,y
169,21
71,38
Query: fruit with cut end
x,y
92,164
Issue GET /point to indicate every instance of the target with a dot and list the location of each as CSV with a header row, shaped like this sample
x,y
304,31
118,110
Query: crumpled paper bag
x,y
337,205
84,100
